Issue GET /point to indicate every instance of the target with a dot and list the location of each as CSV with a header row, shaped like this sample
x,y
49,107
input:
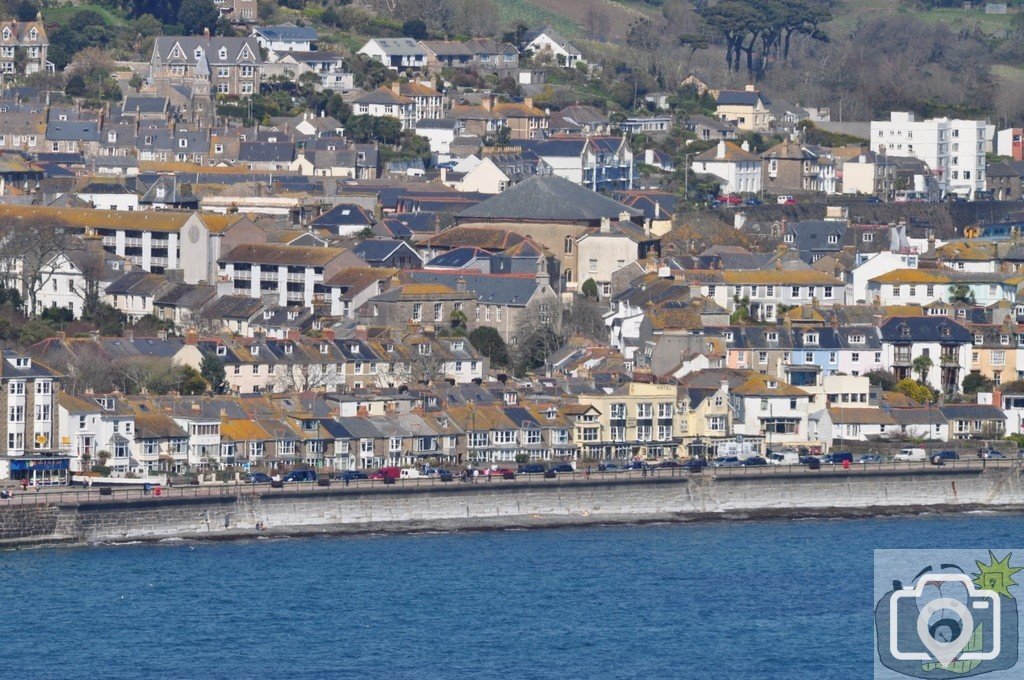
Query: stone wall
x,y
520,504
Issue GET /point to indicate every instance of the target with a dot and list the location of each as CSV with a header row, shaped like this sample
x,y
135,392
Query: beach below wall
x,y
232,512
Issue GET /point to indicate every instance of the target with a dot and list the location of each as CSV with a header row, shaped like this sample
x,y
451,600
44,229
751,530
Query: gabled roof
x,y
259,253
547,198
924,329
379,249
514,290
741,98
344,214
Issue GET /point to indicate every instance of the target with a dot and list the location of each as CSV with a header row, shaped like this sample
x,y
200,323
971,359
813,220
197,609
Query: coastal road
x,y
61,495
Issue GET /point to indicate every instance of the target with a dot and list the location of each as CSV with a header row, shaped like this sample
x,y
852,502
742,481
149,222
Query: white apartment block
x,y
953,149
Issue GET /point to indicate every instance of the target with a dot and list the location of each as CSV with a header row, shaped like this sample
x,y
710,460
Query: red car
x,y
387,473
502,471
730,200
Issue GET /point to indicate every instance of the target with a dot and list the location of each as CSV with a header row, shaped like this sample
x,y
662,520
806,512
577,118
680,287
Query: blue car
x,y
351,475
869,458
753,201
695,464
301,476
258,478
754,461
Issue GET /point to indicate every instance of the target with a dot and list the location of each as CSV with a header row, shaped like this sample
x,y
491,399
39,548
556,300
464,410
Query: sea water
x,y
768,599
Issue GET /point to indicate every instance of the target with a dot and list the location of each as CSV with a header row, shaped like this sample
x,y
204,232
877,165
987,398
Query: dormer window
x,y
771,384
33,34
182,143
112,138
811,338
833,238
254,350
424,349
323,348
287,349
292,315
857,339
222,350
199,53
729,336
978,338
551,414
788,238
107,403
267,313
772,337
22,362
354,348
7,33
1004,339
944,331
222,53
904,331
457,346
389,347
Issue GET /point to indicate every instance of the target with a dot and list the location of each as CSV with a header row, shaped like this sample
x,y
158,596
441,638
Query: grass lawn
x,y
63,14
520,11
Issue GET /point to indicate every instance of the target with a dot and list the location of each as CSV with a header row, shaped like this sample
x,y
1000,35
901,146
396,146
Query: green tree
x,y
488,342
504,136
589,289
921,366
191,381
884,379
75,87
976,382
35,330
922,394
961,293
197,15
415,29
212,370
136,82
457,320
331,17
27,10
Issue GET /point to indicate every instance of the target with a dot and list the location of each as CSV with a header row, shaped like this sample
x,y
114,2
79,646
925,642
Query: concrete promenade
x,y
243,511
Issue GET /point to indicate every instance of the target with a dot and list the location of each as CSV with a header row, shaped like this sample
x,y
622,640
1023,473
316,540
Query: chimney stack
x,y
192,337
294,335
327,334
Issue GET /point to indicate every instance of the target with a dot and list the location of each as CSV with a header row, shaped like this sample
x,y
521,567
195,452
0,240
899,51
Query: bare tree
x,y
303,377
27,250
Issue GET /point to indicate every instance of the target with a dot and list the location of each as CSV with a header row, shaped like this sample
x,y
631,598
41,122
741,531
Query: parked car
x,y
562,467
786,200
754,461
730,200
991,454
812,463
753,201
727,462
300,476
838,458
258,478
695,464
502,471
608,467
410,473
635,465
390,472
940,457
669,464
532,469
873,199
870,458
911,455
351,475
783,457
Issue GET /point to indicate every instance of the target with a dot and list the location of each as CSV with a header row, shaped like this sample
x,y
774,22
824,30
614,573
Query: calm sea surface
x,y
742,600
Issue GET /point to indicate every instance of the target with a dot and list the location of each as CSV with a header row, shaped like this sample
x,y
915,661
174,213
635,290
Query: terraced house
x,y
31,435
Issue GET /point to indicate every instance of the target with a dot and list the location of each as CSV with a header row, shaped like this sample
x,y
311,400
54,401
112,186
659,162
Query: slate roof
x,y
741,98
144,105
399,46
287,32
548,198
503,289
136,282
459,257
266,152
924,329
377,250
972,412
73,131
344,214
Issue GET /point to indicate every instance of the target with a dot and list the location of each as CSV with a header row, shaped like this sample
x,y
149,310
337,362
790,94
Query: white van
x,y
911,455
410,473
783,457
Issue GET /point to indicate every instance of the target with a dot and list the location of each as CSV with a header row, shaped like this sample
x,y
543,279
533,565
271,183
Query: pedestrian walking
x,y
487,474
24,484
644,470
586,473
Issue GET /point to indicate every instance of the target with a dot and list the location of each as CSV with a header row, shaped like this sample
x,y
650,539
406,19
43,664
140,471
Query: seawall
x,y
538,503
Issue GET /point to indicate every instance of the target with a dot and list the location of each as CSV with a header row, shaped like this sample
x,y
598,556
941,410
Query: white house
x,y
548,41
739,170
285,38
871,265
69,278
398,54
764,406
440,133
953,149
923,287
108,196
